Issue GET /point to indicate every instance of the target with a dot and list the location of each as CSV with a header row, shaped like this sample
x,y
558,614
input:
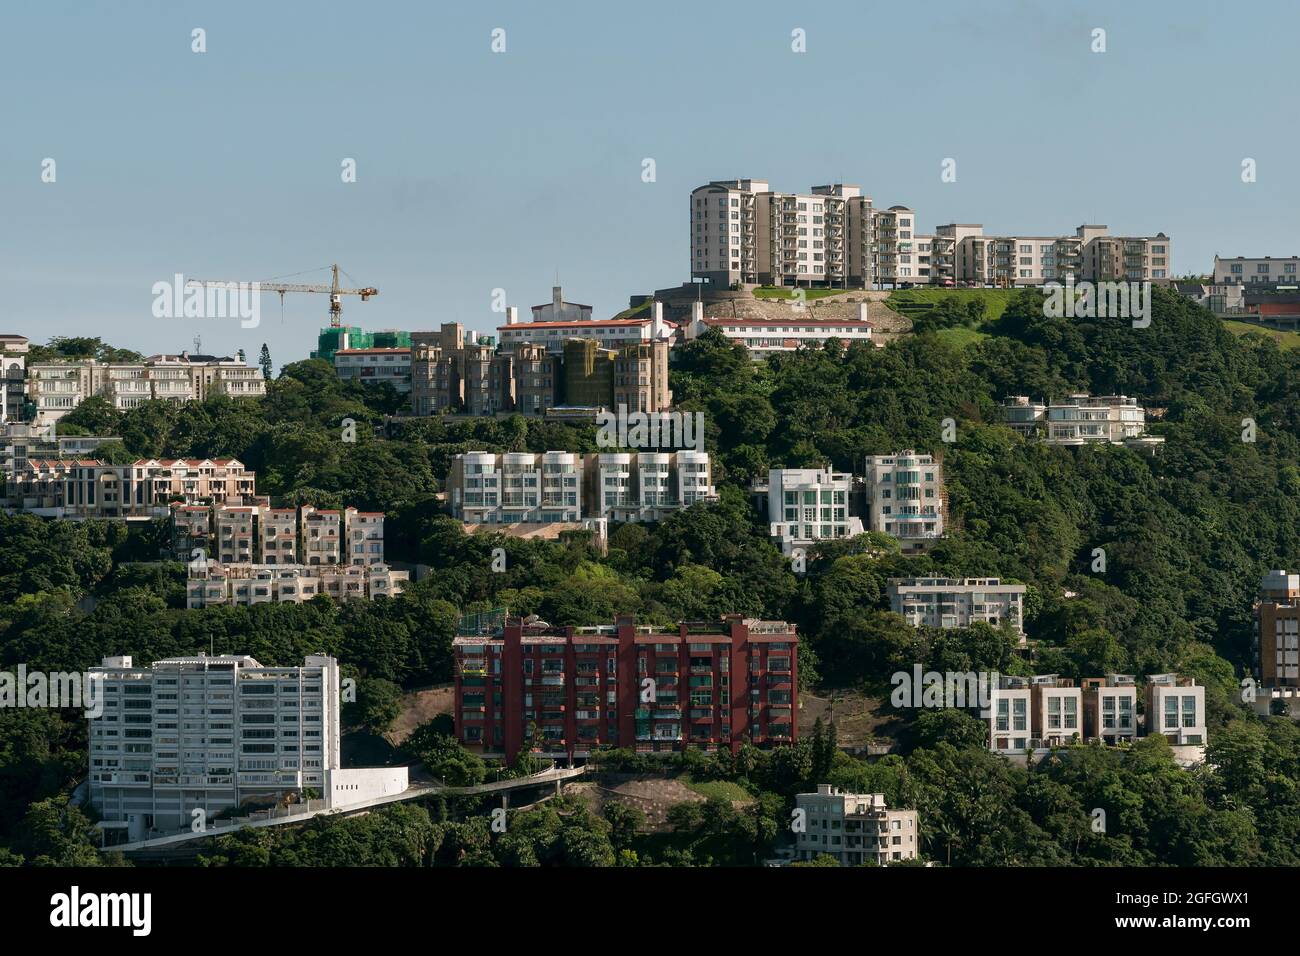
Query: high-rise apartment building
x,y
905,497
958,602
568,690
743,232
807,505
218,735
855,828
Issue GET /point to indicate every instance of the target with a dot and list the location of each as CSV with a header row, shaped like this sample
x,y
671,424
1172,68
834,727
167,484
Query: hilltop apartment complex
x,y
741,231
654,690
218,734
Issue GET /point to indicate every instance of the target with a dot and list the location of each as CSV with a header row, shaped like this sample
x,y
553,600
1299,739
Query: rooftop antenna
x,y
198,345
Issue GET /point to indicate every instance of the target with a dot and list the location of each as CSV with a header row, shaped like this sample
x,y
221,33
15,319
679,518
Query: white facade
x,y
807,505
1176,708
1241,270
209,733
855,828
764,337
958,602
646,486
516,487
1079,419
375,366
905,497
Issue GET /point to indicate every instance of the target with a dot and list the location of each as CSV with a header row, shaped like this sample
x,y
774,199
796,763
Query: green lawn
x,y
725,789
911,301
1286,340
782,292
961,336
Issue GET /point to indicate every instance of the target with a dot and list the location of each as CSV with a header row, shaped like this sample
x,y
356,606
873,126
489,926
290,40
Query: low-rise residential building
x,y
1035,714
251,737
1110,708
807,505
56,388
1277,630
557,486
958,602
1243,270
22,441
375,366
764,337
144,489
855,828
609,333
244,584
905,497
655,690
256,533
1175,707
1079,419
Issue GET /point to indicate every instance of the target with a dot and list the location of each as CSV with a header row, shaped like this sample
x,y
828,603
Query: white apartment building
x,y
516,487
376,366
896,254
223,735
1110,708
905,497
56,388
244,584
764,337
1034,713
1037,713
1079,419
1175,707
646,486
1240,270
13,374
743,232
855,828
958,602
807,505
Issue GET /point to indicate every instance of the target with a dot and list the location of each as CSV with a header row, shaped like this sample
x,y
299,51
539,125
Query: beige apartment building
x,y
256,533
246,584
967,256
905,497
1242,270
646,486
1110,708
855,828
744,232
56,388
89,488
20,441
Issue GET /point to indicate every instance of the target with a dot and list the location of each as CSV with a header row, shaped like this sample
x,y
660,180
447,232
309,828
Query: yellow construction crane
x,y
274,285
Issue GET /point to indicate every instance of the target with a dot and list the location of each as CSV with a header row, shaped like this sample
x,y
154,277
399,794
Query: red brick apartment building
x,y
640,687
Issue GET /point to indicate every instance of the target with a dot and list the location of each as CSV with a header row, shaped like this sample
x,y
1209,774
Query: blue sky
x,y
478,170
